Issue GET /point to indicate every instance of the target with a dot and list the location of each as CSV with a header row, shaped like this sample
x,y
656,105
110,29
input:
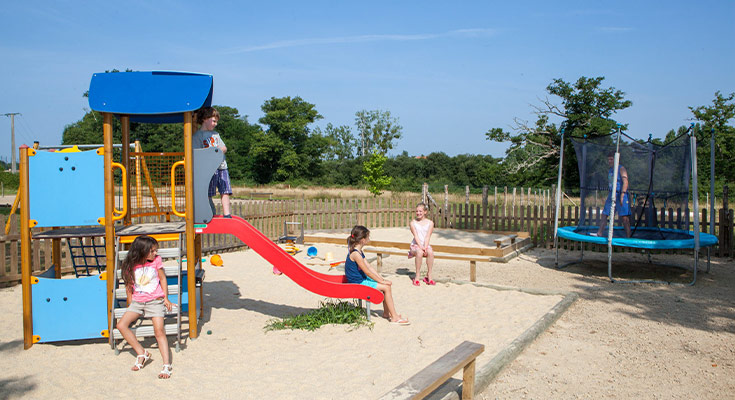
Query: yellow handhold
x,y
103,276
73,149
31,152
105,333
32,223
101,151
101,221
34,280
36,338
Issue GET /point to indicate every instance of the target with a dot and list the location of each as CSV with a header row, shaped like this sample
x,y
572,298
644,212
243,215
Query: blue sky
x,y
449,71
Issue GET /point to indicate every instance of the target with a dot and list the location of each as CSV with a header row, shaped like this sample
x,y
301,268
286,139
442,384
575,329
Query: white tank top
x,y
421,231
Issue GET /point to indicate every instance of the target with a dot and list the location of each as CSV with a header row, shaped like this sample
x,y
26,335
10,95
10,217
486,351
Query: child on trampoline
x,y
357,270
422,228
622,204
206,137
147,290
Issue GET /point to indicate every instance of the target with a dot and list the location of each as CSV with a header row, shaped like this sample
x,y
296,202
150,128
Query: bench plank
x,y
438,372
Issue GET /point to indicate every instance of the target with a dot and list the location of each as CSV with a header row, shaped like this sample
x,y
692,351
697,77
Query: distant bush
x,y
10,180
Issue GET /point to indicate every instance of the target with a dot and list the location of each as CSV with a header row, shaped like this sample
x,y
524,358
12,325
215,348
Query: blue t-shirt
x,y
353,273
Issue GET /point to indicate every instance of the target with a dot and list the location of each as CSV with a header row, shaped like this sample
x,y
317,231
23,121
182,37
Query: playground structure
x,y
74,193
657,175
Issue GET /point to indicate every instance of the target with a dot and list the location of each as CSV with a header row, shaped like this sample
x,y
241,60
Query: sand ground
x,y
615,341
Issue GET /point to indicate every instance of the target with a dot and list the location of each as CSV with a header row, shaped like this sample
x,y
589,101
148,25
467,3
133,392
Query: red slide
x,y
322,284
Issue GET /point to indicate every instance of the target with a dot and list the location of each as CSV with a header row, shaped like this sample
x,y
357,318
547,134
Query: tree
x,y
717,117
375,175
586,109
341,142
377,130
287,150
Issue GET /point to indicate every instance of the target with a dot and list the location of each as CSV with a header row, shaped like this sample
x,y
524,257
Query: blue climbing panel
x,y
66,189
69,309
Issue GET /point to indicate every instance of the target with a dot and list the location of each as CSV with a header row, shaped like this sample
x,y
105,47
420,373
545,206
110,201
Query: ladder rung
x,y
173,313
121,294
164,252
147,331
169,270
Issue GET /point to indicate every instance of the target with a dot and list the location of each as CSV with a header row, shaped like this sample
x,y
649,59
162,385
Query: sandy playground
x,y
615,341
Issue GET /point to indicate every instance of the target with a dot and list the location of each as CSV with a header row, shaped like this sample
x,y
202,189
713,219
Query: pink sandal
x,y
416,282
429,281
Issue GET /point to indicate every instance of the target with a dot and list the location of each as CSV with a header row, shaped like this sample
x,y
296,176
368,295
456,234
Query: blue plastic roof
x,y
150,96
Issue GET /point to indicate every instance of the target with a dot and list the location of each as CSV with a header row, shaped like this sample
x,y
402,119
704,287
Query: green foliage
x,y
586,108
377,130
718,117
342,144
10,180
329,312
287,150
375,177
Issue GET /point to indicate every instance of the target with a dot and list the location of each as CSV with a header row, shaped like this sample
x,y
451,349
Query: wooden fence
x,y
269,216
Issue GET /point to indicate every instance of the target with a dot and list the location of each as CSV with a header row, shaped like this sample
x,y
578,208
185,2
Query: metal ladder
x,y
120,301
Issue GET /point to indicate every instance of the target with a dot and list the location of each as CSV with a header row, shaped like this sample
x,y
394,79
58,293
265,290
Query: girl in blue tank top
x,y
358,271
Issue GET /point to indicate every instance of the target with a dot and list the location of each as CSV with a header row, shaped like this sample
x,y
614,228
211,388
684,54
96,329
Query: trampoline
x,y
650,184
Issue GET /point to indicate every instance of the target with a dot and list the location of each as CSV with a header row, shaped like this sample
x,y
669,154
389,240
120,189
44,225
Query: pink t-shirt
x,y
147,286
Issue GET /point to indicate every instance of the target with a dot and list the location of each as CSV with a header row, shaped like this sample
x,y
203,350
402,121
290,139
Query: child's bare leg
x,y
123,325
417,262
388,302
161,338
429,262
226,204
158,330
603,224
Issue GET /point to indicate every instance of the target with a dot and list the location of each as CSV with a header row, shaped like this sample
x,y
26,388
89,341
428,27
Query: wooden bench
x,y
505,241
398,252
261,194
438,372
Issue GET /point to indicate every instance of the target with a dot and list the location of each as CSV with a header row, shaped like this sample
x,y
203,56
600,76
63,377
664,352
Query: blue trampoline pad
x,y
642,238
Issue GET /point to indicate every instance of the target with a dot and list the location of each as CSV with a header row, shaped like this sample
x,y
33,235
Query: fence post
x,y
467,196
484,207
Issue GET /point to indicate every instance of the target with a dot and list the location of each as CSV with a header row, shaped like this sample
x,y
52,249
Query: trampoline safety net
x,y
658,178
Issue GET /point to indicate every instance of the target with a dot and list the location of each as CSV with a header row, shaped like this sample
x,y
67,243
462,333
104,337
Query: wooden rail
x,y
438,372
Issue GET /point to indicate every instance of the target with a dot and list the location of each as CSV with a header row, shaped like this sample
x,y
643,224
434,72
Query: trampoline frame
x,y
710,239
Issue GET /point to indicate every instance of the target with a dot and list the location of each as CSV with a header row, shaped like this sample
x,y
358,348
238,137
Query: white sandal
x,y
146,356
166,371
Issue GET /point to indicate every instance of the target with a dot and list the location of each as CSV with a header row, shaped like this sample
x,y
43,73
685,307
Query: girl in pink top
x,y
422,228
147,290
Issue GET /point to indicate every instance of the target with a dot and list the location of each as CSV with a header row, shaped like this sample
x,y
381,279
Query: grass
x,y
329,312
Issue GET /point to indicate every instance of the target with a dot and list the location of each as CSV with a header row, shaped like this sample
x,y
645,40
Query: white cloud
x,y
362,39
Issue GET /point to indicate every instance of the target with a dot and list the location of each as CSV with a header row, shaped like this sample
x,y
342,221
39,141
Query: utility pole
x,y
12,141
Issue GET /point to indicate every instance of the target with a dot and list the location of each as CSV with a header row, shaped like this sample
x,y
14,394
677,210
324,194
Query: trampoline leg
x,y
708,259
609,263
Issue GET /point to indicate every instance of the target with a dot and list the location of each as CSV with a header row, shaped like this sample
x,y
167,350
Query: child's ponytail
x,y
358,233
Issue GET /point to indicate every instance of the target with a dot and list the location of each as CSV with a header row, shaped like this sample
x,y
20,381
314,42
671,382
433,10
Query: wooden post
x,y
25,248
466,196
379,262
125,122
108,222
56,256
190,233
473,271
424,193
446,206
484,207
468,381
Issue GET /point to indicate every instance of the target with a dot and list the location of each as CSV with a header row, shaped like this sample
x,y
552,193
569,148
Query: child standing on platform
x,y
147,292
206,137
422,228
357,270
